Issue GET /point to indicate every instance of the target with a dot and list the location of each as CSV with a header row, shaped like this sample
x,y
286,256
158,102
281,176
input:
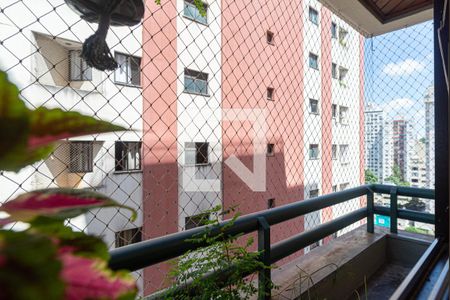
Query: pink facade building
x,y
295,61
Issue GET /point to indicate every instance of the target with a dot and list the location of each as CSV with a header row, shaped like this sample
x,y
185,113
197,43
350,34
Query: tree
x,y
370,177
397,177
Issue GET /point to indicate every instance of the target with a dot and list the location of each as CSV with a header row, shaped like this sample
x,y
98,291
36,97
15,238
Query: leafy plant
x,y
397,177
370,176
49,260
217,271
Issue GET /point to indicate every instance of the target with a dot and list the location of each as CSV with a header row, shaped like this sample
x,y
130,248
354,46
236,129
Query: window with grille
x,y
195,82
191,12
196,153
334,152
334,188
343,36
81,157
333,111
313,16
78,68
313,151
129,70
313,61
128,156
314,106
271,203
196,221
128,237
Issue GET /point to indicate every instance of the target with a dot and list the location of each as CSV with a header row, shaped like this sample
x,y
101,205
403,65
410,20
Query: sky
x,y
399,69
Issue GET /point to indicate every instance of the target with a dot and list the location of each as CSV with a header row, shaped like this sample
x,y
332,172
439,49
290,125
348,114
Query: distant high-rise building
x,y
397,147
373,139
417,169
429,136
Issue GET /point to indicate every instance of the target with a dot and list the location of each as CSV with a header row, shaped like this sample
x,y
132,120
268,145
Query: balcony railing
x,y
147,253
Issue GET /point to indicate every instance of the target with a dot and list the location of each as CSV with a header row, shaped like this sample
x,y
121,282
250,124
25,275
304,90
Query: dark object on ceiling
x,y
106,13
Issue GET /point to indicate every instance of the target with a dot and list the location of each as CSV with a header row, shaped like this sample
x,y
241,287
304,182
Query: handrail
x,y
137,256
150,252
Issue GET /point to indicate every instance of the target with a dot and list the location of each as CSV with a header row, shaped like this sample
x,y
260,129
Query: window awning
x,y
375,17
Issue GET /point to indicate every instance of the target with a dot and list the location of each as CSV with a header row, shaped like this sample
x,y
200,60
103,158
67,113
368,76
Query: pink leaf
x,y
89,278
56,203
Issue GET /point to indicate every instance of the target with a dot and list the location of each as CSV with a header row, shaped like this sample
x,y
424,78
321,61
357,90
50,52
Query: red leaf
x,y
57,203
89,278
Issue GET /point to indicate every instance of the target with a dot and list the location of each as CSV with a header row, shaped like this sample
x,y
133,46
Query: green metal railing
x,y
147,253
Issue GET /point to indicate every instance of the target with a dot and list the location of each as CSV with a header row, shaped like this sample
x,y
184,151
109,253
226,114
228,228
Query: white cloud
x,y
399,104
405,67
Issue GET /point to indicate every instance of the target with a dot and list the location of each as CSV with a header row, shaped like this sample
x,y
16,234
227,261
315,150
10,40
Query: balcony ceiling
x,y
375,17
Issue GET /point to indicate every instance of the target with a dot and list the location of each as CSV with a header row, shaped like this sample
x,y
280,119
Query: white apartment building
x,y
373,139
429,136
41,43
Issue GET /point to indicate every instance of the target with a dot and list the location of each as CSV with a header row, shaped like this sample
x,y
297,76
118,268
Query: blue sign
x,y
383,221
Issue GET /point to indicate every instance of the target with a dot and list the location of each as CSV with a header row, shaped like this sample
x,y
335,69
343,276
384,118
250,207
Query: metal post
x,y
370,209
441,119
394,209
264,276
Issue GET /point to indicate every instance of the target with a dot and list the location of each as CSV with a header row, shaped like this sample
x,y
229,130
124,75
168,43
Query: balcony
x,y
361,260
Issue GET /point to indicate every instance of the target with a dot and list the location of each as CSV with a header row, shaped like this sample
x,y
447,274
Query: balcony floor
x,y
338,269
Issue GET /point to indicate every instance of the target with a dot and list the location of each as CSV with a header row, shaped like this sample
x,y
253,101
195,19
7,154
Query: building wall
x,y
35,55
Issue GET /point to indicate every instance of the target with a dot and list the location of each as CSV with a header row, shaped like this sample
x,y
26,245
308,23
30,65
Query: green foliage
x,y
413,229
415,204
194,271
26,135
29,268
397,177
370,177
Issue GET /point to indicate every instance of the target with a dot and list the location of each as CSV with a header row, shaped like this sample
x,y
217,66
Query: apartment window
x,y
343,115
343,36
313,151
270,149
313,16
344,154
334,152
81,157
191,12
270,37
196,221
334,188
333,30
196,153
78,68
313,61
342,74
313,193
128,156
344,186
334,72
333,111
128,237
271,203
270,93
314,106
195,82
129,70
